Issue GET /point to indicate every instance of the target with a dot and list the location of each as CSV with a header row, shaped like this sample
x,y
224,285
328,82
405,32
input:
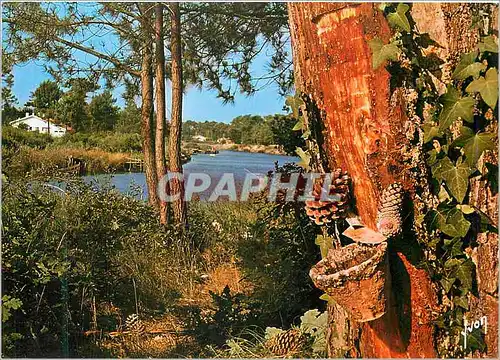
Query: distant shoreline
x,y
191,147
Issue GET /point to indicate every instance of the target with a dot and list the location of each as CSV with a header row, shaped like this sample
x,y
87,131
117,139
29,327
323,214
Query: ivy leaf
x,y
305,158
294,102
271,332
461,301
313,321
382,6
468,67
466,209
450,221
430,132
462,269
454,107
452,263
381,52
454,246
443,194
487,86
474,144
485,223
432,157
447,283
475,340
456,177
488,43
463,272
325,243
299,125
325,297
399,18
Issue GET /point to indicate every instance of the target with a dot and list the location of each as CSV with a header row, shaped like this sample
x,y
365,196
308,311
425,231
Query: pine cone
x,y
286,342
322,212
135,325
389,221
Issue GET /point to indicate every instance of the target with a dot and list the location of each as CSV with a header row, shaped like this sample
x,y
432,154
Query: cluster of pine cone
x,y
135,325
287,342
324,211
389,222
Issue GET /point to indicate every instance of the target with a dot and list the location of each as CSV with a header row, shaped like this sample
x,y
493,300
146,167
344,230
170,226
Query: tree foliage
x,y
103,111
45,97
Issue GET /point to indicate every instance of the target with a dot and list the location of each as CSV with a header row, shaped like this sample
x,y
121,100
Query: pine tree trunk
x,y
160,105
174,141
363,132
147,107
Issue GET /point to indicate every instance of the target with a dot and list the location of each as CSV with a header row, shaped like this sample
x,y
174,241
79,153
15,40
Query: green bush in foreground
x,y
64,252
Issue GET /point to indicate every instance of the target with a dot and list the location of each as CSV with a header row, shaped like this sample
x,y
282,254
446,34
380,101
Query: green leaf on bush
x,y
456,177
399,18
451,264
325,243
468,67
454,107
474,144
488,43
381,52
487,86
8,304
450,221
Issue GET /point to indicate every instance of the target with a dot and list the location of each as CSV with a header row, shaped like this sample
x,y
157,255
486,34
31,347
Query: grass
x,y
122,259
28,160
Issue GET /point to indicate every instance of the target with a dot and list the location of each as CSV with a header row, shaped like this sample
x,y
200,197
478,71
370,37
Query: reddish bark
x,y
174,142
363,133
147,106
161,167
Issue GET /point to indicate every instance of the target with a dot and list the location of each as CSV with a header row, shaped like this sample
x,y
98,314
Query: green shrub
x,y
63,252
13,137
108,141
230,315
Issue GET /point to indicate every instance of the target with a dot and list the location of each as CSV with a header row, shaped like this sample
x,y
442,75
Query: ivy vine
x,y
458,124
457,129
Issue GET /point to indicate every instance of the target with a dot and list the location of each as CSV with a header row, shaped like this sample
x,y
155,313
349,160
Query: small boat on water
x,y
211,155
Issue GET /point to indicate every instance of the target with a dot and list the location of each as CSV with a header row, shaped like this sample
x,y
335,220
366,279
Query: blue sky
x,y
198,105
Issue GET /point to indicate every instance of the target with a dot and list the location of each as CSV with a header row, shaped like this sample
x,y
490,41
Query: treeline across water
x,y
249,130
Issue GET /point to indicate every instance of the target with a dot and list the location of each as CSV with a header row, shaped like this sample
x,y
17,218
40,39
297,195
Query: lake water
x,y
237,163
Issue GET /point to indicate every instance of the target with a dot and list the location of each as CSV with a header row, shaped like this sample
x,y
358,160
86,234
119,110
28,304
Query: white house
x,y
35,123
200,138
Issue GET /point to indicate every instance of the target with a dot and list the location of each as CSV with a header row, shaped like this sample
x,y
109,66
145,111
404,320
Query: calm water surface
x,y
238,163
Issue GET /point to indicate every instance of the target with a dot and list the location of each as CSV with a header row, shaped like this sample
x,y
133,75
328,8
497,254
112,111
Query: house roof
x,y
33,116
